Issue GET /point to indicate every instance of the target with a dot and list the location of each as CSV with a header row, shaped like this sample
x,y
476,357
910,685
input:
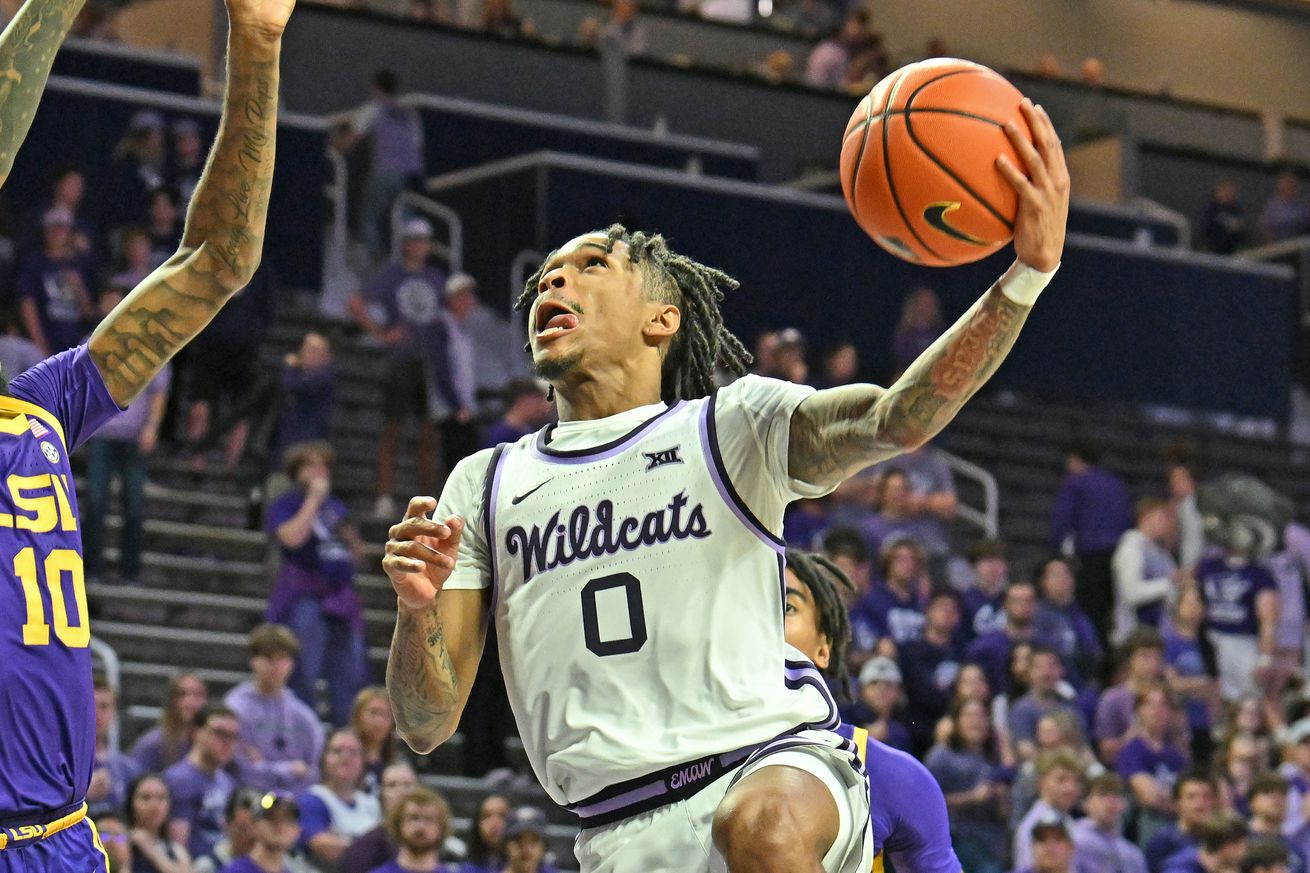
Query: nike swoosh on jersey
x,y
935,214
517,500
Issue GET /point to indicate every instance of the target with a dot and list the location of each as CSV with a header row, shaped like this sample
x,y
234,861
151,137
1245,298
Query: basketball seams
x,y
959,113
909,128
854,201
887,173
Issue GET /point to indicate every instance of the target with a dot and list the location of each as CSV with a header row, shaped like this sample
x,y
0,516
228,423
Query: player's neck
x,y
606,394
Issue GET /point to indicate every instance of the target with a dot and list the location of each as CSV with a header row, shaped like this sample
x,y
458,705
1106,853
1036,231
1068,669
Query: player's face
x,y
525,852
397,781
150,804
420,828
800,622
591,312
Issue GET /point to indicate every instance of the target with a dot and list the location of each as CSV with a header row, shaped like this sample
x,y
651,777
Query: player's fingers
x,y
420,506
420,552
415,526
1055,160
398,564
1027,153
1018,181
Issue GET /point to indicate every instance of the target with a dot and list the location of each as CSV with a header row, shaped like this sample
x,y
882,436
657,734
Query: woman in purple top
x,y
1190,669
148,807
164,745
486,840
1149,764
965,766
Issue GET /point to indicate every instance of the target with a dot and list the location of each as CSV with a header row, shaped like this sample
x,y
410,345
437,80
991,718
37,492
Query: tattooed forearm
x,y
421,681
838,432
223,238
27,50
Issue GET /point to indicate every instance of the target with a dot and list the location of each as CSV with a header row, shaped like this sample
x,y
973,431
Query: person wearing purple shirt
x,y
281,738
199,784
991,651
1045,682
54,288
919,326
1241,620
276,831
308,386
1093,507
1149,764
1062,624
315,590
984,599
893,607
930,666
526,410
897,518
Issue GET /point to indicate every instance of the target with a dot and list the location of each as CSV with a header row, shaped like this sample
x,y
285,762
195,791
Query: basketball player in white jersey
x,y
630,555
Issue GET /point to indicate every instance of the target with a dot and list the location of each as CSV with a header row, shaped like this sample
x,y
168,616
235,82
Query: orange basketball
x,y
918,162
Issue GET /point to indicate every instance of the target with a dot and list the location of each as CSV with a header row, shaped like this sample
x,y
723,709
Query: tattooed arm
x,y
836,433
439,633
224,235
27,49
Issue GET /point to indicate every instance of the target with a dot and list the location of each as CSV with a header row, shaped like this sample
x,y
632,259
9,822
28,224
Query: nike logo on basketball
x,y
517,500
935,214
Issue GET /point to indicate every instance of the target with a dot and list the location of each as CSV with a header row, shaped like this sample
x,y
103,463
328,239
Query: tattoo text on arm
x,y
421,680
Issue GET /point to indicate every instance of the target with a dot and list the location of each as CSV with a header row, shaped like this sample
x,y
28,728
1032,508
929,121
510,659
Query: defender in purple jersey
x,y
907,811
47,718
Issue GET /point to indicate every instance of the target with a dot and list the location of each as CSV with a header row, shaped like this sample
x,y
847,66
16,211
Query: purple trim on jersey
x,y
670,785
798,674
543,452
491,488
787,741
709,442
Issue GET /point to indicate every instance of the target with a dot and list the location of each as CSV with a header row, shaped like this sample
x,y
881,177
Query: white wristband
x,y
1023,284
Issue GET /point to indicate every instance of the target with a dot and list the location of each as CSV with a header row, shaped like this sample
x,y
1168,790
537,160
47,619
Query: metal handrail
x,y
408,201
987,518
113,677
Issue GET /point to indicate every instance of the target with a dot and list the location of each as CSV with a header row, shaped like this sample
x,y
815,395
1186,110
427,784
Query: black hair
x,y
386,82
703,341
1083,448
825,581
129,814
1264,853
478,850
846,542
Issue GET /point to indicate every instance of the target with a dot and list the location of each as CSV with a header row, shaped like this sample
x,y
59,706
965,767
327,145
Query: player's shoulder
x,y
759,397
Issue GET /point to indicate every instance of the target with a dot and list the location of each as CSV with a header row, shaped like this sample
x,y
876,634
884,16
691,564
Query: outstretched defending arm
x,y
27,49
224,235
837,432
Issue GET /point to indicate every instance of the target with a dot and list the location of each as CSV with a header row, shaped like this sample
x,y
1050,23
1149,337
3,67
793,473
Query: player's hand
x,y
262,18
421,554
318,488
1043,193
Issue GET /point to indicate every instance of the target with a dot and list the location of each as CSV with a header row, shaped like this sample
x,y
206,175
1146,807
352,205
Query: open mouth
x,y
554,318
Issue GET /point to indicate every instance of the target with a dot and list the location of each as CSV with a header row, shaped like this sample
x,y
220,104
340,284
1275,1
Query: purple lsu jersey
x,y
47,710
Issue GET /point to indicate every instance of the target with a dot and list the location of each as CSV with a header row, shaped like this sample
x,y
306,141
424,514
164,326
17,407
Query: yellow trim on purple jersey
x,y
12,407
95,836
860,736
30,833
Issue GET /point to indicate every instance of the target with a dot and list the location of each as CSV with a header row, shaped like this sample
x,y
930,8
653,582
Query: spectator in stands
x,y
482,357
1241,759
1149,764
828,61
335,811
276,830
17,352
67,192
118,450
1241,619
1265,856
186,161
54,288
1195,801
1046,693
113,770
1052,847
163,222
1268,801
964,765
486,842
395,135
878,704
281,737
777,67
526,410
376,847
308,392
1145,573
930,665
893,608
788,358
170,741
1287,213
501,18
1225,227
238,832
113,836
766,348
1016,685
199,783
588,34
931,497
401,308
992,651
970,685
1180,463
137,259
870,63
417,825
147,811
1064,626
1141,658
1290,567
138,168
1250,715
1190,669
1295,768
1059,789
1059,729
623,31
1049,67
898,516
1099,846
1221,844
525,841
984,599
1092,509
841,365
315,590
374,725
919,326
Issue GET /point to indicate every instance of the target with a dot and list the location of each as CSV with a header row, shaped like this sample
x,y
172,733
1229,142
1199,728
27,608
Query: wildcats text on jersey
x,y
592,535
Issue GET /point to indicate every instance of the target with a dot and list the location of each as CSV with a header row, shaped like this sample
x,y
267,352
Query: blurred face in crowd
x,y
343,762
1287,187
882,697
416,250
903,565
136,250
1250,716
1181,482
943,615
1146,665
1021,659
972,684
1271,806
1020,604
1057,583
1105,808
397,781
992,573
189,697
525,852
106,711
1050,734
272,670
1045,672
315,351
1060,788
375,721
187,145
279,831
1243,758
314,466
1052,853
217,740
1195,802
1299,754
1154,713
895,496
420,827
240,830
973,723
857,572
491,820
150,804
1161,524
70,188
1229,858
163,211
800,622
842,364
108,300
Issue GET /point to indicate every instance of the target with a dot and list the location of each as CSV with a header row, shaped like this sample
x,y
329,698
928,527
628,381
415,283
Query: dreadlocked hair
x,y
703,342
826,581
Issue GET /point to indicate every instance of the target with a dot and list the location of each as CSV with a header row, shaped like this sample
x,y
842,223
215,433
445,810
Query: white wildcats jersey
x,y
639,606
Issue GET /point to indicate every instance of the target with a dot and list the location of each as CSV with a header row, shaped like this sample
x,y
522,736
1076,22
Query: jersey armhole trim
x,y
719,473
490,489
13,404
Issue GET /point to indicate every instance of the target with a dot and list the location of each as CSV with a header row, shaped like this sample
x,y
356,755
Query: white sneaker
x,y
384,506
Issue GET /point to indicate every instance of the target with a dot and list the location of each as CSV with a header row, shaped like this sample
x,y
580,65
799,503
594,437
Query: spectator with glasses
x,y
199,783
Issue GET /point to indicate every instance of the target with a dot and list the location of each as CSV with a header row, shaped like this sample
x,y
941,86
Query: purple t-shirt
x,y
245,865
393,866
888,614
983,614
1230,594
1163,765
321,567
199,798
1095,507
412,299
49,283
